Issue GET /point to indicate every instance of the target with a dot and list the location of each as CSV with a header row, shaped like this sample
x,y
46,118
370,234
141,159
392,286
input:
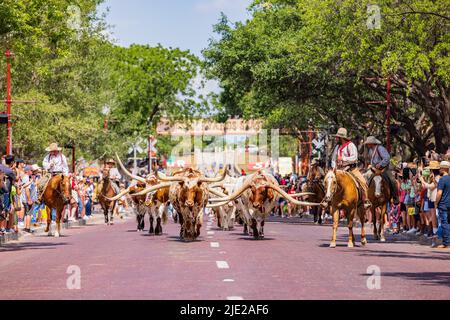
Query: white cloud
x,y
209,6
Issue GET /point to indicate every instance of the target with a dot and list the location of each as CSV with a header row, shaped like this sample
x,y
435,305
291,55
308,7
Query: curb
x,y
97,218
422,240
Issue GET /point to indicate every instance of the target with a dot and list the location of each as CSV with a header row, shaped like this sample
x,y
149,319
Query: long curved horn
x,y
216,193
163,177
216,179
120,195
217,205
289,197
232,196
301,194
152,188
128,173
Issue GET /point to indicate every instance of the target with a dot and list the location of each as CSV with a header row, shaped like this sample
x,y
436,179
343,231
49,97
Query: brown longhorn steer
x,y
259,194
189,195
156,205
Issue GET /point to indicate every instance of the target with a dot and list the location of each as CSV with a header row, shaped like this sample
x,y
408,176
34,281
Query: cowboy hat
x,y
110,161
372,140
35,167
445,165
53,147
434,165
342,133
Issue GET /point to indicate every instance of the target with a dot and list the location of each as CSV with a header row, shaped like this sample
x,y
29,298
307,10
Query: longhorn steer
x,y
155,205
188,195
259,194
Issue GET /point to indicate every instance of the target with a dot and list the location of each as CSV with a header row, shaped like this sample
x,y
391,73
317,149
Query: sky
x,y
186,24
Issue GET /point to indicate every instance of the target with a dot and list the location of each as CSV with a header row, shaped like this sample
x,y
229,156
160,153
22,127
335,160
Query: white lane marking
x,y
222,252
214,244
210,233
210,237
222,265
235,298
228,280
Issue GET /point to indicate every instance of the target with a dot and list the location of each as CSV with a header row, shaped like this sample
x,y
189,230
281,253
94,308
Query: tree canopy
x,y
66,62
296,60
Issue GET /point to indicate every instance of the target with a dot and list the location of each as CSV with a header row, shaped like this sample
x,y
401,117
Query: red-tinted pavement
x,y
293,262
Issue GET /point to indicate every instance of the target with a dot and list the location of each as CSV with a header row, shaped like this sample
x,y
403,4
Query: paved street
x,y
293,262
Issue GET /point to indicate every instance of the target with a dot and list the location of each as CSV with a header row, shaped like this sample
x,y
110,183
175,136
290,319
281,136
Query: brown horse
x,y
315,186
342,193
106,204
56,196
379,195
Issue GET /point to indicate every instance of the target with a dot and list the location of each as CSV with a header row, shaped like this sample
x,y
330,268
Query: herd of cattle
x,y
250,199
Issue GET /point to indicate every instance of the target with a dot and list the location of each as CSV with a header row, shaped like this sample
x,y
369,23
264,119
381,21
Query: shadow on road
x,y
29,246
428,278
406,255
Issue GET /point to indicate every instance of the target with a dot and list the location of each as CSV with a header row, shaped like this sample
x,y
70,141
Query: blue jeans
x,y
6,202
443,217
89,207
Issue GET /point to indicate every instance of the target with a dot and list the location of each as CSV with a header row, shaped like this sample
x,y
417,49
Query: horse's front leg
x,y
362,219
373,212
105,213
335,226
351,237
59,214
111,213
49,221
383,213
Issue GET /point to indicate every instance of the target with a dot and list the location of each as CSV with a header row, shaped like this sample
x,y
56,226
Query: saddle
x,y
357,184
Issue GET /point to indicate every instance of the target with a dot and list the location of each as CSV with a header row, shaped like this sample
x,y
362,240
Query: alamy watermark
x,y
374,280
73,282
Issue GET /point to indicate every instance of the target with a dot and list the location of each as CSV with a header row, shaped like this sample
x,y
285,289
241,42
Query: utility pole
x,y
8,55
388,110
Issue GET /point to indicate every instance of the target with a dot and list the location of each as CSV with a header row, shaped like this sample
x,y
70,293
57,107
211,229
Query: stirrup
x,y
367,204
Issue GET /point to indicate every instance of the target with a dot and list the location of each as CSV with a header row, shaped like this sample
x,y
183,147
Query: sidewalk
x,y
96,218
308,219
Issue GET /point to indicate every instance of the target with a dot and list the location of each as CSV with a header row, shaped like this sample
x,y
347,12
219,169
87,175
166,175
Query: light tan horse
x,y
56,196
342,194
379,195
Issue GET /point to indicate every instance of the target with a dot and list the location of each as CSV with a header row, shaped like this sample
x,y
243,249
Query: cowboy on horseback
x,y
380,160
54,163
316,172
345,157
114,174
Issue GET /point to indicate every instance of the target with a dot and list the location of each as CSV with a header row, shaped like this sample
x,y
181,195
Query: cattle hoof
x,y
57,235
363,242
333,245
383,239
350,245
49,233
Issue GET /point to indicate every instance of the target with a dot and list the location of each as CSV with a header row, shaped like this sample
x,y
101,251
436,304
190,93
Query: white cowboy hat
x,y
372,140
445,165
35,167
53,147
342,133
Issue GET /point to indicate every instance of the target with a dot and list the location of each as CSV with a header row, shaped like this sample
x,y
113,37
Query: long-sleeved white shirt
x,y
114,174
348,153
56,163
